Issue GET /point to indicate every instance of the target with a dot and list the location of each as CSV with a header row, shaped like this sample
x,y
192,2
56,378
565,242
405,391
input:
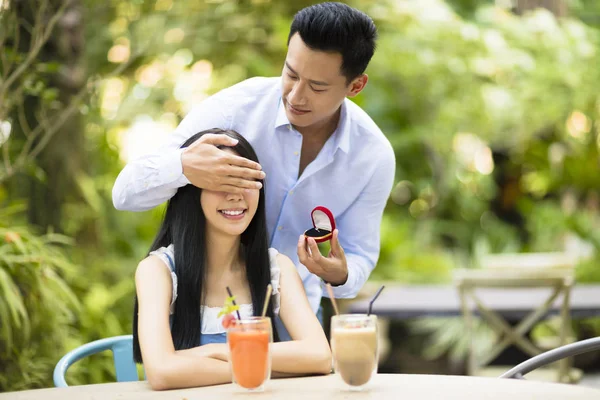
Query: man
x,y
315,148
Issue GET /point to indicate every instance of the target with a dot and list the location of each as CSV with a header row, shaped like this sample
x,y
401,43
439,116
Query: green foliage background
x,y
493,118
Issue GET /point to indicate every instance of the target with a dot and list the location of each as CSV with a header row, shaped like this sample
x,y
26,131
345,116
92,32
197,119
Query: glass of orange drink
x,y
249,343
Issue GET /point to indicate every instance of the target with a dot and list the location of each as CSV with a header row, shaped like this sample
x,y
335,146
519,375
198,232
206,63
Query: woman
x,y
208,241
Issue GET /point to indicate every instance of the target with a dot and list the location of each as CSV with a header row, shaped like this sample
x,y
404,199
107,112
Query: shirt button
x,y
291,192
279,228
296,153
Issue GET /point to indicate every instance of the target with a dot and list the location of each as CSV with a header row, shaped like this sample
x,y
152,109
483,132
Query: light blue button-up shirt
x,y
352,175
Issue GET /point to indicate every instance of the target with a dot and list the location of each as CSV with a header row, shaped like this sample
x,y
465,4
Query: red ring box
x,y
323,225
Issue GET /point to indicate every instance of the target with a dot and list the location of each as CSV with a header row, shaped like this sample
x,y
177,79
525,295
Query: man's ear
x,y
357,85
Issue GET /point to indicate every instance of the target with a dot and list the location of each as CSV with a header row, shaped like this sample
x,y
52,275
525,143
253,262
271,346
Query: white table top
x,y
382,386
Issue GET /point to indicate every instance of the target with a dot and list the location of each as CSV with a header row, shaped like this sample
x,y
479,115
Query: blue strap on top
x,y
170,261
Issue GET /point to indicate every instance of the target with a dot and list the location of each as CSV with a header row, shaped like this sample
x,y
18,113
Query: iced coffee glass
x,y
355,348
249,343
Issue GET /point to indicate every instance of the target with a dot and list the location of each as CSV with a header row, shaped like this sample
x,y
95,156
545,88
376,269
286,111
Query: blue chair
x,y
122,348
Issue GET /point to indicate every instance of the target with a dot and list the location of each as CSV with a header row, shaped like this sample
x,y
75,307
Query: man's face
x,y
313,85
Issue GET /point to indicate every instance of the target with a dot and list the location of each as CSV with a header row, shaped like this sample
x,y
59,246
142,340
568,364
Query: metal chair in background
x,y
548,357
506,272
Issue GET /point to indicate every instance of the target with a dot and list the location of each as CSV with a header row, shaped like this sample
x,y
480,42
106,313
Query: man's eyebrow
x,y
319,83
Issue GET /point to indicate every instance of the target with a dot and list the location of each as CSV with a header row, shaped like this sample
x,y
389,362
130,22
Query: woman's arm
x,y
166,368
308,352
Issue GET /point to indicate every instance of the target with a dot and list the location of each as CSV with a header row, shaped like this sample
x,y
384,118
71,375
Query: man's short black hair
x,y
339,28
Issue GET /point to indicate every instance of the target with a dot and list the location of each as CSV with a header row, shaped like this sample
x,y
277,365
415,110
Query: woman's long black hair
x,y
184,226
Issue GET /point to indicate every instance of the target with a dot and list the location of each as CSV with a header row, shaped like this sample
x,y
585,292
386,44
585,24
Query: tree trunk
x,y
61,159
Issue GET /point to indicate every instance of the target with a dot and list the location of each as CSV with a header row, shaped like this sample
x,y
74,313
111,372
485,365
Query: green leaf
x,y
5,326
13,300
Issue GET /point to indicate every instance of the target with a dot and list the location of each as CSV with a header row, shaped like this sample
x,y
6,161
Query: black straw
x,y
233,301
374,298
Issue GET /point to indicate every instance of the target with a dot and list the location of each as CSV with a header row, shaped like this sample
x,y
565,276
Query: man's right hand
x,y
209,167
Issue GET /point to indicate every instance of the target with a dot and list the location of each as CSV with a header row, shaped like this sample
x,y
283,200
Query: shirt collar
x,y
281,119
342,132
343,129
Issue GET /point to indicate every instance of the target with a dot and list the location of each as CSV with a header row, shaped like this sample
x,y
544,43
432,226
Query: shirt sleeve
x,y
154,178
360,226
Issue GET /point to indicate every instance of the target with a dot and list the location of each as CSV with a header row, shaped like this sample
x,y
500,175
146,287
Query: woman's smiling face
x,y
229,213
